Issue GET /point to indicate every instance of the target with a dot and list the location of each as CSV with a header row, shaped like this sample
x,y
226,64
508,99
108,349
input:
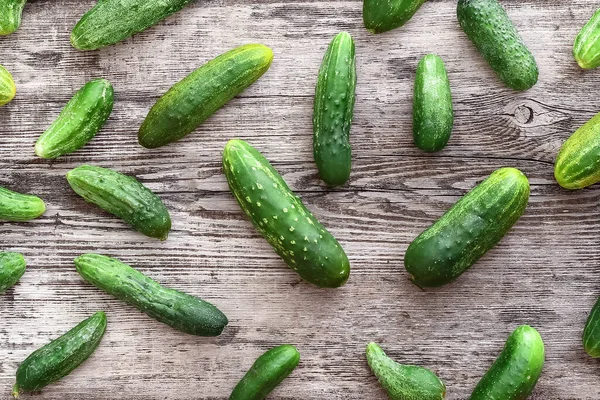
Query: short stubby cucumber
x,y
179,310
404,382
60,357
586,49
111,21
489,27
516,370
10,15
333,110
79,121
19,207
12,268
473,225
384,15
591,333
199,95
268,371
433,116
279,215
578,163
123,196
8,90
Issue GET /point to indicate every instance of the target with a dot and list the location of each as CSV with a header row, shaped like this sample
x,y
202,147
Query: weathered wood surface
x,y
545,273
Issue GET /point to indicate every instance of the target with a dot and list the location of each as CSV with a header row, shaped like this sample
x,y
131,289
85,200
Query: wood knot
x,y
524,114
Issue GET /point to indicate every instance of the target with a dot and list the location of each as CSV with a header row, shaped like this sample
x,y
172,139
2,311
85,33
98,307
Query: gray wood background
x,y
544,273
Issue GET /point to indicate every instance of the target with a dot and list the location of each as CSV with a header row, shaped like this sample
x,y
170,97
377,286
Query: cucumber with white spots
x,y
19,207
10,15
586,48
12,268
281,217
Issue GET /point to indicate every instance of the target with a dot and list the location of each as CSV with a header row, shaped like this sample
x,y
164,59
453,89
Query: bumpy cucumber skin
x,y
199,95
10,15
177,309
111,21
61,356
333,111
470,228
123,196
586,49
384,15
492,32
79,121
279,215
515,372
578,163
591,333
433,116
268,371
8,89
404,382
19,207
12,268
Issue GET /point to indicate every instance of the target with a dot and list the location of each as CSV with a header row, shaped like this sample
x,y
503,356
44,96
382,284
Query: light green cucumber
x,y
384,15
586,48
19,207
12,268
8,90
10,15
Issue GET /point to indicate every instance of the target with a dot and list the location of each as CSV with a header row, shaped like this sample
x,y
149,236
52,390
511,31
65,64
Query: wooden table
x,y
544,273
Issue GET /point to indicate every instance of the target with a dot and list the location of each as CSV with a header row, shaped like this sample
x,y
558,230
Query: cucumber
x,y
123,196
179,310
19,207
333,110
281,218
12,268
473,225
111,21
492,32
384,15
79,121
199,95
578,162
61,356
10,15
433,117
516,370
586,48
404,382
591,333
8,90
268,371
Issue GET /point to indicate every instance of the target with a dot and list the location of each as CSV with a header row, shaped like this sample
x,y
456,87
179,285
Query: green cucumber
x,y
12,268
279,215
199,95
591,333
333,110
578,163
61,356
384,15
404,382
516,370
586,49
268,371
123,196
10,15
79,121
473,225
492,32
111,21
8,90
19,207
433,117
179,310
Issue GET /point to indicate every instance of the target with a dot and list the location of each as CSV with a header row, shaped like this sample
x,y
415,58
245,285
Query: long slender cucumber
x,y
8,90
20,207
12,268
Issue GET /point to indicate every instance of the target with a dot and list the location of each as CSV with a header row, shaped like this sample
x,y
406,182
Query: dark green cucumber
x,y
433,116
111,21
268,371
516,370
279,215
12,268
79,121
489,27
10,15
61,356
591,333
179,310
384,15
199,95
8,90
19,207
404,382
586,49
123,196
333,110
578,163
473,225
